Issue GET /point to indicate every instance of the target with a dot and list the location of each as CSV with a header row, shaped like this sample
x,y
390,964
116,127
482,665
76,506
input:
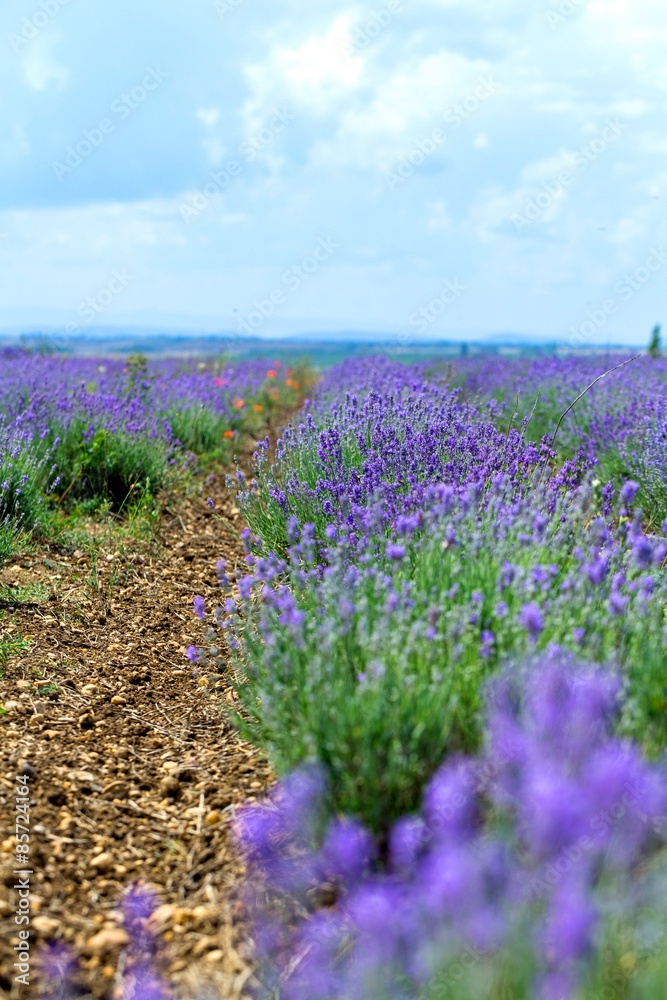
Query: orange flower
x,y
258,408
238,404
277,364
288,381
289,372
270,373
228,434
295,385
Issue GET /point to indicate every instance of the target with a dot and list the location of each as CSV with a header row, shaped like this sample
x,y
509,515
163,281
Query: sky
x,y
443,169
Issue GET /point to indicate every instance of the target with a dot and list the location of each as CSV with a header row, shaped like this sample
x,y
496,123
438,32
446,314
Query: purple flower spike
x,y
58,965
347,850
395,551
143,984
628,492
532,619
450,805
137,904
200,607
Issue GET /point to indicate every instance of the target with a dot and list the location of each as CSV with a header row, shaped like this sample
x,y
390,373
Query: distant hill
x,y
323,350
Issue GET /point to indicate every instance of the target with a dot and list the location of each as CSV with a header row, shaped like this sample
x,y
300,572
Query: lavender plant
x,y
113,426
380,447
533,870
369,656
23,478
619,425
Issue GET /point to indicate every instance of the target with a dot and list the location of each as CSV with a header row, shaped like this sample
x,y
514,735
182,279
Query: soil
x,y
134,772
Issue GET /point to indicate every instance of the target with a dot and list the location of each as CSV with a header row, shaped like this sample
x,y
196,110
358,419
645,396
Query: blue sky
x,y
428,168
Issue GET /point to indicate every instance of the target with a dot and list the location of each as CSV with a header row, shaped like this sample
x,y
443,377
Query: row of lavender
x,y
95,430
621,424
452,644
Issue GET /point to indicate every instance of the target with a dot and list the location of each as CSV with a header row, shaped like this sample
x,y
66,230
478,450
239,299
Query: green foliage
x,y
137,374
201,431
109,467
12,645
654,347
377,699
8,540
23,476
628,964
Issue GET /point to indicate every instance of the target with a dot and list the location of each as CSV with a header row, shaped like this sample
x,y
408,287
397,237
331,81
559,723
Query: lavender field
x,y
446,632
449,636
109,432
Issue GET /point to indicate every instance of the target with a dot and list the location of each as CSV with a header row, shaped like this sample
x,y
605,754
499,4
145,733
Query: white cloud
x,y
317,75
208,116
215,151
402,109
39,66
439,219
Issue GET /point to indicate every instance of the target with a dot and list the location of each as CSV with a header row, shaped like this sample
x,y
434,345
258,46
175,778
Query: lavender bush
x,y
24,475
369,656
377,437
119,429
533,870
619,425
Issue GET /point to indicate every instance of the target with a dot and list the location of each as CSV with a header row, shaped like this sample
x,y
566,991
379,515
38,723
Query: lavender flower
x,y
565,817
532,619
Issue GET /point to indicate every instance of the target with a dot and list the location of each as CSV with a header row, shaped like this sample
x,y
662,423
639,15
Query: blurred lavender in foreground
x,y
517,866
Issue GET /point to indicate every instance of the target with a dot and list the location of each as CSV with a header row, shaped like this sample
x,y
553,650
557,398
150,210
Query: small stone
x,y
170,787
83,777
181,915
24,685
203,945
162,915
107,940
102,862
44,925
213,817
87,721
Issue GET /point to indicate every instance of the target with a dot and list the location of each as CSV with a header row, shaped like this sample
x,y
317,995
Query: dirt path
x,y
133,772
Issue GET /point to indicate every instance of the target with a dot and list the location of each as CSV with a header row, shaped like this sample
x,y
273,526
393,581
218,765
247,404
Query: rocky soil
x,y
134,773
